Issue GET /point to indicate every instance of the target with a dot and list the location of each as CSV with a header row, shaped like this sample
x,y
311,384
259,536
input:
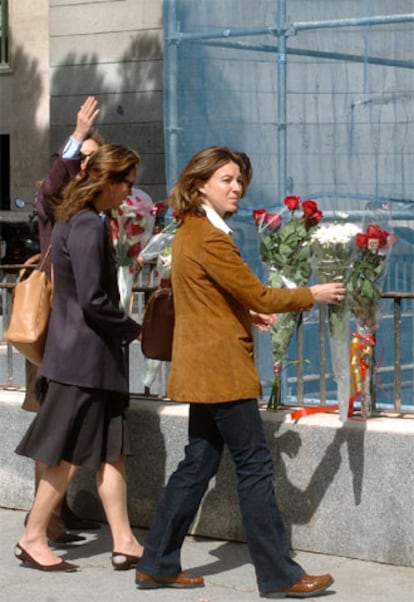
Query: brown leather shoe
x,y
306,587
181,580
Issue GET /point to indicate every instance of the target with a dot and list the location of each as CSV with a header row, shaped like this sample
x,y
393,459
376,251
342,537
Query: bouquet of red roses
x,y
131,227
364,293
286,251
366,277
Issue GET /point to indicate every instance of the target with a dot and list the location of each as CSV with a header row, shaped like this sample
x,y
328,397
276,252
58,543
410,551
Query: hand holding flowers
x,y
337,252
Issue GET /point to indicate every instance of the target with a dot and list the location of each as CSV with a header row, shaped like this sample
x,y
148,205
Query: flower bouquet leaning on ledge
x,y
285,251
159,248
364,284
334,252
131,227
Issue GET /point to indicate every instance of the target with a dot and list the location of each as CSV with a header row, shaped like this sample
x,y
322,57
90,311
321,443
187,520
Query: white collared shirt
x,y
217,221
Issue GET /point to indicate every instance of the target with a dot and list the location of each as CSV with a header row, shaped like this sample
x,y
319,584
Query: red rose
x,y
258,215
314,219
272,221
309,207
374,231
160,206
131,228
136,230
361,240
135,250
292,202
114,228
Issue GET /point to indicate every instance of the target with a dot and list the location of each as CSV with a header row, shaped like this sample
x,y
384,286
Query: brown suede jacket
x,y
214,289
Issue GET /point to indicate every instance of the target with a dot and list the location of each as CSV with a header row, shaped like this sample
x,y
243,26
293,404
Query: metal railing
x,y
322,377
144,286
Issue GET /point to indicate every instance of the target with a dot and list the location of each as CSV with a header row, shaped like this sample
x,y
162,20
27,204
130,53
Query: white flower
x,y
333,234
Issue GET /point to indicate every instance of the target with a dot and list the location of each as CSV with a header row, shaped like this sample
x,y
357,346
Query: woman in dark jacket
x,y
82,419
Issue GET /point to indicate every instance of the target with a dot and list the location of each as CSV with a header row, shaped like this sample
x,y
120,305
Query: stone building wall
x,y
60,52
24,95
113,50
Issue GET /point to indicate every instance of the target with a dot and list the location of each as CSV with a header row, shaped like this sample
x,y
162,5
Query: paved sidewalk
x,y
226,567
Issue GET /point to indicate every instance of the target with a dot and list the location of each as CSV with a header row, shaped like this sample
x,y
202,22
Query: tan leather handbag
x,y
32,303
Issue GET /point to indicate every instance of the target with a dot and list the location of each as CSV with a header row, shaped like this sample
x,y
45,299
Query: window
x,y
4,172
4,33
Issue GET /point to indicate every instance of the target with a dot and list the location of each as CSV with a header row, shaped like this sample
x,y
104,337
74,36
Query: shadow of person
x,y
219,515
228,556
299,504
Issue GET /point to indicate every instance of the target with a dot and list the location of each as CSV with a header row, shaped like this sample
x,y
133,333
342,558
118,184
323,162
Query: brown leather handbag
x,y
158,325
32,303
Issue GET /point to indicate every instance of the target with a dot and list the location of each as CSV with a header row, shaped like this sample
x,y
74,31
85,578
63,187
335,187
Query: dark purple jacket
x,y
87,331
49,196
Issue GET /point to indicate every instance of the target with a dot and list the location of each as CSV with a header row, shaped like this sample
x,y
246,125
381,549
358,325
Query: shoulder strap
x,y
45,258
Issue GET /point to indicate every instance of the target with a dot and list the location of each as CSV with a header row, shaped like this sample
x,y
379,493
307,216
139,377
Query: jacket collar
x,y
215,219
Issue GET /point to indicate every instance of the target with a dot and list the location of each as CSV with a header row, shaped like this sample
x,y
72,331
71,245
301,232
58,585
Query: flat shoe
x,y
124,562
307,587
182,580
25,557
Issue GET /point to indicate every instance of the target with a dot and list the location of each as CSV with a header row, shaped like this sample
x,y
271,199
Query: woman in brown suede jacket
x,y
217,298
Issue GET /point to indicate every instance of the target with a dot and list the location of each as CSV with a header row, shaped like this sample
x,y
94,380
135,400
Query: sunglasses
x,y
129,184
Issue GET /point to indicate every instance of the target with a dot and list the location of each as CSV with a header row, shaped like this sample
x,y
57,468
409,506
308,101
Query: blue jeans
x,y
238,425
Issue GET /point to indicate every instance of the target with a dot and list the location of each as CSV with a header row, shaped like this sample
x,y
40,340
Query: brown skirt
x,y
79,425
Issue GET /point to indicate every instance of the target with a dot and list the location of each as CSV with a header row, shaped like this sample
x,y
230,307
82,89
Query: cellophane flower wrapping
x,y
159,248
160,244
373,247
333,248
131,227
285,250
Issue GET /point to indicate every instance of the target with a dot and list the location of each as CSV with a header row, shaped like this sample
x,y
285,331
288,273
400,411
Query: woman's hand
x,y
332,293
86,116
263,321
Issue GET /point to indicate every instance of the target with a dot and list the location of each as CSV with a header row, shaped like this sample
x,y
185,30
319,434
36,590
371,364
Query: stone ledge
x,y
343,489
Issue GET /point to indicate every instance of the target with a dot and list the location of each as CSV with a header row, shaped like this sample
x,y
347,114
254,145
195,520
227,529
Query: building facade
x,y
54,53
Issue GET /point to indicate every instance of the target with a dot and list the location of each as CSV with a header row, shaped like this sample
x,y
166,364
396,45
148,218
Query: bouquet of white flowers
x,y
334,252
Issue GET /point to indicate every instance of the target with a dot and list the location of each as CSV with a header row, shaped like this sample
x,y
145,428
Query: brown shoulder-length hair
x,y
109,163
185,197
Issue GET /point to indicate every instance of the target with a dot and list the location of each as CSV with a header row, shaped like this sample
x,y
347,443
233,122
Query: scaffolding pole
x,y
282,31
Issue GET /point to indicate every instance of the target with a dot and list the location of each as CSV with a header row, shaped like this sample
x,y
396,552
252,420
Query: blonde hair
x,y
109,163
185,197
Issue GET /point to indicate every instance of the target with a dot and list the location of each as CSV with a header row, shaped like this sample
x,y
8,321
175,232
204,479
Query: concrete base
x,y
344,490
